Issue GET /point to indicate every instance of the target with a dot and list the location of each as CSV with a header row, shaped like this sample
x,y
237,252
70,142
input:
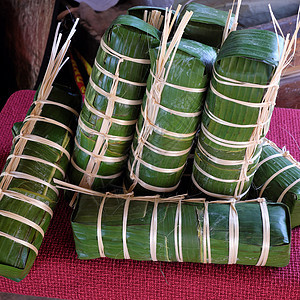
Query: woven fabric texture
x,y
58,273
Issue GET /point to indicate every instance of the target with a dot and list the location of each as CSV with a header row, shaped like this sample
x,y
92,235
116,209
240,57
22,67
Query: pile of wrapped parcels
x,y
171,93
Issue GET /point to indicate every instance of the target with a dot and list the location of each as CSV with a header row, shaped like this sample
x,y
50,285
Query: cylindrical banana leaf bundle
x,y
193,230
207,24
112,102
277,178
172,107
40,153
237,113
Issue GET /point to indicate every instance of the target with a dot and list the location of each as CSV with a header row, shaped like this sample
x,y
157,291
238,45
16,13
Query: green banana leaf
x,y
16,260
191,68
247,56
279,183
131,37
85,218
206,24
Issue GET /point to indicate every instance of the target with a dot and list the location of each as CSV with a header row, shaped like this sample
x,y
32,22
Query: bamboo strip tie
x,y
216,178
99,227
215,195
227,28
224,162
154,18
112,176
162,151
178,233
96,156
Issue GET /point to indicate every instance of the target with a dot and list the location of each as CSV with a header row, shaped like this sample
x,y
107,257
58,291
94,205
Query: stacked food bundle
x,y
152,86
40,153
237,113
170,115
112,103
235,119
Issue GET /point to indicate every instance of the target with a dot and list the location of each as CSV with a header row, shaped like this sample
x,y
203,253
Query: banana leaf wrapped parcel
x,y
28,196
207,24
112,102
170,116
277,178
237,113
253,232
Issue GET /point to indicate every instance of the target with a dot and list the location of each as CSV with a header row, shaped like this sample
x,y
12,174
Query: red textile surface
x,y
57,273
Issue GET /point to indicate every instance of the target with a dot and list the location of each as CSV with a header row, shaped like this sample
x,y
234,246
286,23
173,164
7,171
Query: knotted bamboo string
x,y
55,64
154,96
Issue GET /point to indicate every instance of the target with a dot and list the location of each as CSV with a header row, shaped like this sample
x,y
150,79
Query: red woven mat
x,y
57,273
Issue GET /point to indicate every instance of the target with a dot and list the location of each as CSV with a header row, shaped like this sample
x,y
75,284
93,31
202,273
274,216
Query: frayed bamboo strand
x,y
227,28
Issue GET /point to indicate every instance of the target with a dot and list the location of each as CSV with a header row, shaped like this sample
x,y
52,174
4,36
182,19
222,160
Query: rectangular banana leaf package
x,y
171,112
253,232
112,103
237,113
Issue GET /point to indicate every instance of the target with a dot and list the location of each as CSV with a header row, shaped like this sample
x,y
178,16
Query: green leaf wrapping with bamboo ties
x,y
170,113
181,230
40,153
277,178
112,103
